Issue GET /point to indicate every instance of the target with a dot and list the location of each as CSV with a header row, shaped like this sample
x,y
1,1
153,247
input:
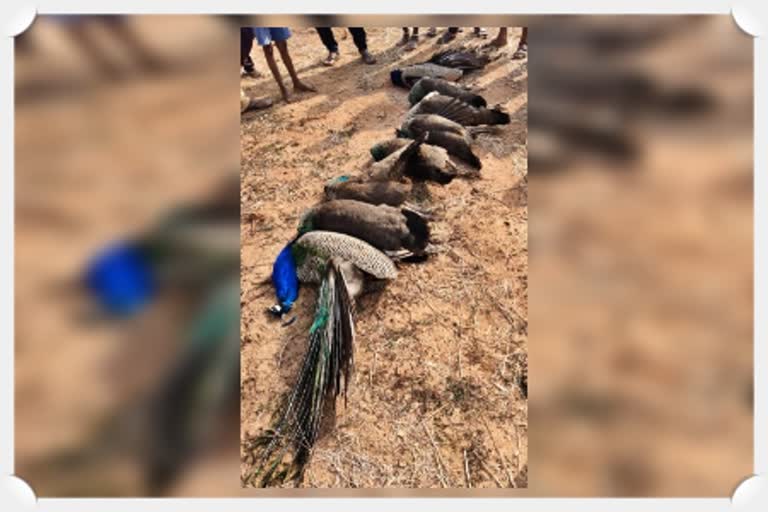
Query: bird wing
x,y
328,244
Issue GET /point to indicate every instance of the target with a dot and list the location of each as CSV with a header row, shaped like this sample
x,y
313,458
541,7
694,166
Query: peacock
x,y
195,247
453,137
402,232
390,229
427,85
458,111
409,75
418,124
392,193
343,266
397,164
431,163
201,387
466,59
190,246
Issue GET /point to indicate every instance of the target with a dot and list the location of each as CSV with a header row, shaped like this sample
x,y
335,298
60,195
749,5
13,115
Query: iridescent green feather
x,y
326,367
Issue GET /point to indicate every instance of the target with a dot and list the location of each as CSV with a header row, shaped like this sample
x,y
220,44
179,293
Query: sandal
x,y
367,57
331,58
447,37
413,42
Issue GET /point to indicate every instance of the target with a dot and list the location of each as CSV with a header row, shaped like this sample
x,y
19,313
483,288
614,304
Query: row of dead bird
x,y
349,242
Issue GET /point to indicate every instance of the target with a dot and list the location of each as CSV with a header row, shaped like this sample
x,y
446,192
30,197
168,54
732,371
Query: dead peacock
x,y
343,266
458,111
399,231
409,75
425,162
390,229
392,193
450,135
464,58
427,85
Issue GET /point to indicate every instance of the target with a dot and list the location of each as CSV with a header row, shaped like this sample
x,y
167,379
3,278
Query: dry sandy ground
x,y
434,401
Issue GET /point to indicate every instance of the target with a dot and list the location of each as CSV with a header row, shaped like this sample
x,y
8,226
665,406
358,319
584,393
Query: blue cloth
x,y
284,278
265,35
121,279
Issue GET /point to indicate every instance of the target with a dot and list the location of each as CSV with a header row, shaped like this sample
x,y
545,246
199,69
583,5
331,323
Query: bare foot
x,y
284,94
499,43
413,42
521,53
403,40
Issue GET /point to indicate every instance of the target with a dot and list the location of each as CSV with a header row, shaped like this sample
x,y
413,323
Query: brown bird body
x,y
451,136
466,59
394,166
427,85
431,163
385,227
422,123
392,193
458,111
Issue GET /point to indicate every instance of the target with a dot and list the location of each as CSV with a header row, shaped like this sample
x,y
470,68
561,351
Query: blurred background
x,y
640,163
640,239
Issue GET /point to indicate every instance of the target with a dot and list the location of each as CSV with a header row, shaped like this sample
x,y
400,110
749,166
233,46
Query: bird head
x,y
401,134
285,280
378,152
331,185
305,222
121,278
396,75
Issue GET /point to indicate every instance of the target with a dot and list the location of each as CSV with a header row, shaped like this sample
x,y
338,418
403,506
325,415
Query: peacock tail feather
x,y
324,375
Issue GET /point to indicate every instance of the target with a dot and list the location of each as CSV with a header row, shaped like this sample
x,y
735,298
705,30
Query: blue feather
x,y
121,278
285,280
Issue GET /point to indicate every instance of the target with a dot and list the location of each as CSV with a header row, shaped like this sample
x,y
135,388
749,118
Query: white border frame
x,y
751,15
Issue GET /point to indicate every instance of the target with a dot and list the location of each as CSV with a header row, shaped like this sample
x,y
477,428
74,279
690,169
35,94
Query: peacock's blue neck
x,y
121,278
285,279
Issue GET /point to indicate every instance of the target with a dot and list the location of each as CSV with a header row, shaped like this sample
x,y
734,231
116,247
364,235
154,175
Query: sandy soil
x,y
434,401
